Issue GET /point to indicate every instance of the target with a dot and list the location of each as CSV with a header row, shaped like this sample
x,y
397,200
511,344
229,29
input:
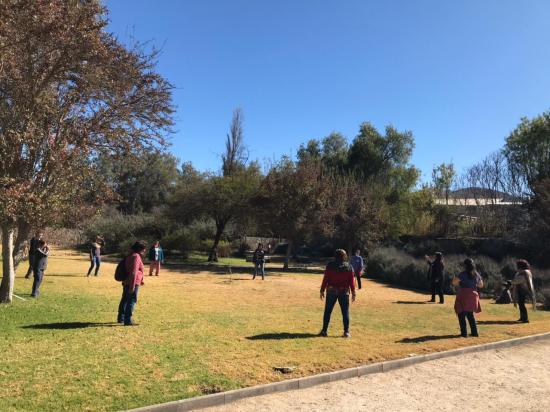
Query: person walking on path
x,y
95,255
338,281
358,265
40,265
133,264
156,257
467,297
33,246
522,289
436,276
258,258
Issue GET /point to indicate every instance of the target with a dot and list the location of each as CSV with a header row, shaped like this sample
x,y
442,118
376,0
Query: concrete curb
x,y
224,398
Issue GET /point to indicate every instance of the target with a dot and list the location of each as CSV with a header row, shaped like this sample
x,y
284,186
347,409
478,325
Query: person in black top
x,y
33,246
259,261
40,264
435,276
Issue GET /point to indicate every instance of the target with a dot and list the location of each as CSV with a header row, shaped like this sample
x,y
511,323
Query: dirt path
x,y
500,380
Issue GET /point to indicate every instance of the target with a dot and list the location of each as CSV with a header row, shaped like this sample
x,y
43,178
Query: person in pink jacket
x,y
130,287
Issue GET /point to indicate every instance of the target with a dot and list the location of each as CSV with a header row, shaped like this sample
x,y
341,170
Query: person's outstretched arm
x,y
324,284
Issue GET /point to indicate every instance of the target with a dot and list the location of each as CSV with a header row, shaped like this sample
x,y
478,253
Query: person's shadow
x,y
411,302
70,325
281,336
426,338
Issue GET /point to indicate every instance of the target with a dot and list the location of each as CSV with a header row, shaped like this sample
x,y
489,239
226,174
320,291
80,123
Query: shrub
x,y
182,240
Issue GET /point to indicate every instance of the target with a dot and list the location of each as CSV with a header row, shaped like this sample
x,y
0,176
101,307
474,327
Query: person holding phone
x,y
40,264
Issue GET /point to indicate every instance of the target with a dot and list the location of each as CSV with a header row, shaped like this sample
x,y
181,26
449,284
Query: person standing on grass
x,y
156,257
358,266
133,264
33,246
436,276
40,265
467,298
522,288
258,258
95,255
338,281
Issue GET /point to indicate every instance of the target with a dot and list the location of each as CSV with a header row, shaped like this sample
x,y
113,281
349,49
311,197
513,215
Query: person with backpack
x,y
338,281
258,258
130,272
522,289
467,297
436,277
156,257
40,264
33,246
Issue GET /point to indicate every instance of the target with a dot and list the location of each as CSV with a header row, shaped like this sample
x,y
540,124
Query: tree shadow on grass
x,y
281,335
497,322
426,338
70,325
407,302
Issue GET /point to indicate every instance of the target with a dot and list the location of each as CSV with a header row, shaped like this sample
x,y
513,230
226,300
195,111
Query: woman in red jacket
x,y
338,281
134,269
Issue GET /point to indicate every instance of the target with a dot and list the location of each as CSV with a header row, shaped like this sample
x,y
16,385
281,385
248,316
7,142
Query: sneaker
x,y
323,333
346,335
474,335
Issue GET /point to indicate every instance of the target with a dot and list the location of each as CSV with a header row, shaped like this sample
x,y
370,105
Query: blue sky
x,y
458,74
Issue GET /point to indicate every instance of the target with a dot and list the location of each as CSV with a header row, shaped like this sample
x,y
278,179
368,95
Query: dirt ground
x,y
508,379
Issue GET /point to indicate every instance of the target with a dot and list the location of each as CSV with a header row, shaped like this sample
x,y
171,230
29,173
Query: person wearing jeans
x,y
523,289
338,281
40,264
259,261
95,255
467,298
130,286
33,246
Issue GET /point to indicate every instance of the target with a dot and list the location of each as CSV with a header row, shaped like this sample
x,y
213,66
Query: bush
x,y
544,296
182,240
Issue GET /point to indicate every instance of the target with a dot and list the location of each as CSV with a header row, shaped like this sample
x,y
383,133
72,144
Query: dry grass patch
x,y
201,333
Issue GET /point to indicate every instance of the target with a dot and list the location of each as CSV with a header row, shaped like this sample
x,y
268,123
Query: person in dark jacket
x,y
338,282
505,296
436,276
258,258
156,257
33,246
95,255
40,265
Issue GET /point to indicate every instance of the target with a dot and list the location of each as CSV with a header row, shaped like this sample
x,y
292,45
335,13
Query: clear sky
x,y
458,74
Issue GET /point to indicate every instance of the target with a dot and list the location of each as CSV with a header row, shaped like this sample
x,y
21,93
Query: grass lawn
x,y
201,333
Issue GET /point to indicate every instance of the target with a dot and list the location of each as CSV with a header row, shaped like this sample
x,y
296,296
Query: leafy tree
x,y
309,152
528,149
443,177
142,181
68,90
289,200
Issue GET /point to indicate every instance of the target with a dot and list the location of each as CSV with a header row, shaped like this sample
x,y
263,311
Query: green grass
x,y
198,258
201,333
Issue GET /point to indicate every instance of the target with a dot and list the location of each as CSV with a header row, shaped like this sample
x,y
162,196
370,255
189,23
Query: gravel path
x,y
516,378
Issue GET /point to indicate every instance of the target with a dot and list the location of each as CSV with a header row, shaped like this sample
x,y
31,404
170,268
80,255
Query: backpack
x,y
120,272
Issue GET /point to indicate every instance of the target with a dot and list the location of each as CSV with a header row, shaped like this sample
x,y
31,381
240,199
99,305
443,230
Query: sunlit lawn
x,y
201,333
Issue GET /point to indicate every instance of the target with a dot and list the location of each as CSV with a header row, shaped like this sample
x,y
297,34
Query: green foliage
x,y
528,149
443,177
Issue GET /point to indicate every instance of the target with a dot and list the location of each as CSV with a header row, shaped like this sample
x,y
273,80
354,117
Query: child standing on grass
x,y
338,281
156,257
40,264
523,288
467,298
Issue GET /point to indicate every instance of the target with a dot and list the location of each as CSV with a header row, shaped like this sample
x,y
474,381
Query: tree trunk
x,y
213,255
23,231
8,270
288,253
